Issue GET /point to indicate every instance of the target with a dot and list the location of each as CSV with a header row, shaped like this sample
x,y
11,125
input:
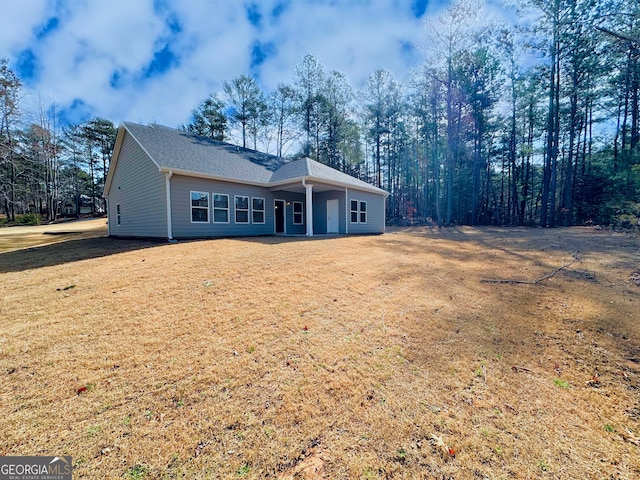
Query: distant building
x,y
68,208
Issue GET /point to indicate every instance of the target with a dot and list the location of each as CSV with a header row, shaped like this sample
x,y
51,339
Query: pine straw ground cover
x,y
355,357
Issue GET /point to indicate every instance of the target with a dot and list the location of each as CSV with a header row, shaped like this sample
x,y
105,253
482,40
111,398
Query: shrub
x,y
28,219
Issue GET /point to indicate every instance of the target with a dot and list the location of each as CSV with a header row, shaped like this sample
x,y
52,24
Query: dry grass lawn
x,y
354,357
14,238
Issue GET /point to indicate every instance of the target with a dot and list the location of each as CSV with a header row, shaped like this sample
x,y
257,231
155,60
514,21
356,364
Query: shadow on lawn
x,y
67,252
280,239
516,240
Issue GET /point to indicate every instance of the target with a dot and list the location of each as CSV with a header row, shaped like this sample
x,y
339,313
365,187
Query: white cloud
x,y
211,41
355,39
19,20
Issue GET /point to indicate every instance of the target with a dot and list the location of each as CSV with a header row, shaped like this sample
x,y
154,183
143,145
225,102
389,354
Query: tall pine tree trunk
x,y
550,157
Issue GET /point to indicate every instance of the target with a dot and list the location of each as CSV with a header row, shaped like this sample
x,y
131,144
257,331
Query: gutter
x,y
273,185
189,173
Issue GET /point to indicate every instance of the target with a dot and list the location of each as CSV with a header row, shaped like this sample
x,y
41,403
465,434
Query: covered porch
x,y
297,202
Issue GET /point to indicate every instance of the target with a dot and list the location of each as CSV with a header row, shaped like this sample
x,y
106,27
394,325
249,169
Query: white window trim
x,y
360,212
264,210
118,215
351,210
301,213
191,207
236,209
214,208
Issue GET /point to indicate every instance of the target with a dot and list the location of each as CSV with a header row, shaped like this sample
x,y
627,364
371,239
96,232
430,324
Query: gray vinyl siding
x,y
139,188
375,212
181,188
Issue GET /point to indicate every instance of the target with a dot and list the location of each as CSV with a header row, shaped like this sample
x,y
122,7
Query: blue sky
x,y
155,60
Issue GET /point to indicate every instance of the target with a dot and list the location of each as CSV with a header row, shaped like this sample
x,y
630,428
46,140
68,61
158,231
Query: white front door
x,y
333,209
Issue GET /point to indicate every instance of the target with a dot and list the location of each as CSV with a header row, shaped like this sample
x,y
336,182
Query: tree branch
x,y
537,280
621,36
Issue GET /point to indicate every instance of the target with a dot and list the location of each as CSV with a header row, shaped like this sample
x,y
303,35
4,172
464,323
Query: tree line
x,y
506,124
46,169
534,124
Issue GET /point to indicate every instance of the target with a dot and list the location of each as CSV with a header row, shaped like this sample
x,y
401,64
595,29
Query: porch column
x,y
309,202
347,211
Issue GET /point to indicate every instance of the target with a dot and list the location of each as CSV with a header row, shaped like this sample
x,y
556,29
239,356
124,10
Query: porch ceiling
x,y
298,188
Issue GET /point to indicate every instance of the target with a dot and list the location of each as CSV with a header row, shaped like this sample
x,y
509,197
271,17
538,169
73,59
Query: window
x,y
242,209
257,210
297,213
354,211
199,207
118,214
220,208
358,211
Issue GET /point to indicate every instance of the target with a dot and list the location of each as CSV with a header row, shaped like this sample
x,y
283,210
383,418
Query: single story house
x,y
68,208
166,183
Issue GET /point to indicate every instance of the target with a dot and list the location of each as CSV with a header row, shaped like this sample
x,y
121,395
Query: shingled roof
x,y
182,151
193,155
307,168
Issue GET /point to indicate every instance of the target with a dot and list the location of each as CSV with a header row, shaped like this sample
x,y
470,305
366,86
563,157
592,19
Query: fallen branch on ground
x,y
516,369
537,280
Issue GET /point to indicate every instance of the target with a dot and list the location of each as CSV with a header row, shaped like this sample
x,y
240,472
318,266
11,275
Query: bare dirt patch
x,y
354,357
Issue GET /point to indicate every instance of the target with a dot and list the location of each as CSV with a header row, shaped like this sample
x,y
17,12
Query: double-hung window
x,y
363,212
199,207
358,211
118,214
354,211
297,213
257,210
220,208
242,209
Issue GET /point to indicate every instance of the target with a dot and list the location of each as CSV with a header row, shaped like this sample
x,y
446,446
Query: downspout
x,y
168,176
108,217
309,206
384,217
384,214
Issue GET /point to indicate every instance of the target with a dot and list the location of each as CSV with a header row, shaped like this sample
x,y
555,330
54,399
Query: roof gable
x,y
173,149
308,168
